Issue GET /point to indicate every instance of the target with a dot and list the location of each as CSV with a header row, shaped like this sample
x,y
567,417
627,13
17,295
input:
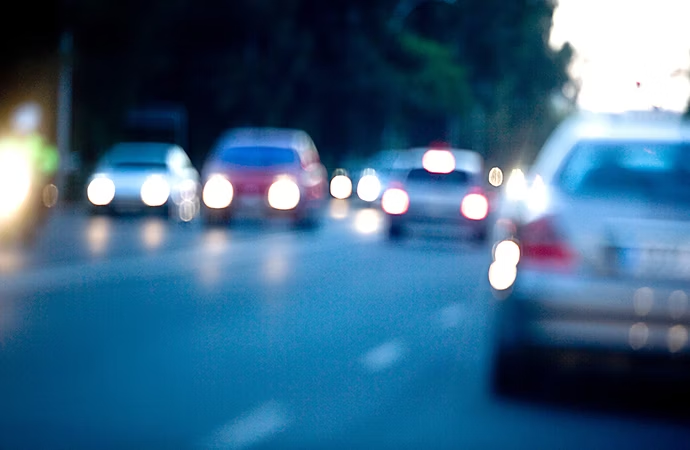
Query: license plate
x,y
251,201
655,263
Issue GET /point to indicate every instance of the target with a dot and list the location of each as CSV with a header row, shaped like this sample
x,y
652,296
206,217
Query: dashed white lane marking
x,y
384,356
254,427
451,316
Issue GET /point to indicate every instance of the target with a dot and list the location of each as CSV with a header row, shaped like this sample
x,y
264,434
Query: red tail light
x,y
542,245
475,205
395,201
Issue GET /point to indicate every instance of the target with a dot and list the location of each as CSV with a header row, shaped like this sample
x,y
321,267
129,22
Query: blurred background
x,y
127,330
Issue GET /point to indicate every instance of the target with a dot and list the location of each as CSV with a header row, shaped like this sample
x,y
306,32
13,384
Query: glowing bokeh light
x,y
101,191
155,191
283,195
502,275
475,207
507,252
516,186
496,177
341,187
638,335
369,187
395,201
15,182
218,192
368,221
438,161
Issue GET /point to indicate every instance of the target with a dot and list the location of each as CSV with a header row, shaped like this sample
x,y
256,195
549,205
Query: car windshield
x,y
453,179
658,171
258,156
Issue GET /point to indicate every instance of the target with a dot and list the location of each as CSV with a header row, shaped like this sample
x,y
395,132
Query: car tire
x,y
510,374
213,219
307,222
396,232
481,236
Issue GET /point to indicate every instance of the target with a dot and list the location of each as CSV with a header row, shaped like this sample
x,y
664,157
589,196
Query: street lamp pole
x,y
64,108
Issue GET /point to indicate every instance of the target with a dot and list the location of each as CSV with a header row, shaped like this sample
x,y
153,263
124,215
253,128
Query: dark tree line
x,y
478,73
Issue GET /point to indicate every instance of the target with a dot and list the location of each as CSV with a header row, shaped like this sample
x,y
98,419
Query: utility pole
x,y
64,108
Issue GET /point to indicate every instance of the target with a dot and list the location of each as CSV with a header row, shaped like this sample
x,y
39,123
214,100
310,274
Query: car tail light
x,y
541,244
475,205
395,201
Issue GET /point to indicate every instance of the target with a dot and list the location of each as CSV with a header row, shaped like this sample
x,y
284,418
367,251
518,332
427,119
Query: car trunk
x,y
629,237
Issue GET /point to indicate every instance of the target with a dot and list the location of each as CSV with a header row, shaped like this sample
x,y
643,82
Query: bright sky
x,y
620,42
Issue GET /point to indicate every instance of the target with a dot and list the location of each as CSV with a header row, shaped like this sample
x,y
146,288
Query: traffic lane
x,y
269,353
98,348
72,235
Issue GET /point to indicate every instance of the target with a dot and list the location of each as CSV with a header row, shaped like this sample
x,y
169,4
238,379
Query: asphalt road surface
x,y
137,333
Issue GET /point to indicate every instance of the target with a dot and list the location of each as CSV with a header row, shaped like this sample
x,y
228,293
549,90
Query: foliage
x,y
333,68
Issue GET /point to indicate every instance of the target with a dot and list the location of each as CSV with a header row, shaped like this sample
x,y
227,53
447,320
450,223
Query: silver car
x,y
437,191
145,176
591,265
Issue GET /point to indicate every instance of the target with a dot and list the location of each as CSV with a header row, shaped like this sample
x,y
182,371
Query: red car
x,y
262,172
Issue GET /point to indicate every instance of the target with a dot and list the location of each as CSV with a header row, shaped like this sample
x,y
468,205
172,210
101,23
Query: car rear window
x,y
658,170
258,156
455,178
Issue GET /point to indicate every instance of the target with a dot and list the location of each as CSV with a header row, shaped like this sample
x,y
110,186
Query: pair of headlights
x,y
154,192
368,187
283,194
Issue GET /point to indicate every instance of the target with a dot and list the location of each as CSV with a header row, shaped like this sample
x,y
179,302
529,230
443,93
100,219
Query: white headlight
x,y
369,188
341,187
502,275
218,192
101,191
15,182
507,252
283,194
155,191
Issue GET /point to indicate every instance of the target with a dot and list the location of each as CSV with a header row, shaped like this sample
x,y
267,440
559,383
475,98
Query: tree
x,y
332,68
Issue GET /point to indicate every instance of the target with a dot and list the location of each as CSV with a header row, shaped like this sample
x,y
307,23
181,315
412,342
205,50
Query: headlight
x,y
369,187
155,191
218,192
101,191
283,194
341,187
15,182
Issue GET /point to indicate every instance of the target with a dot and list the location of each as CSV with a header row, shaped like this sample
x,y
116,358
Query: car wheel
x,y
481,236
307,222
396,232
214,219
509,372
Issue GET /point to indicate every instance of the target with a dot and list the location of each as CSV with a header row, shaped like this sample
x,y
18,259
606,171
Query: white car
x,y
145,176
591,262
437,190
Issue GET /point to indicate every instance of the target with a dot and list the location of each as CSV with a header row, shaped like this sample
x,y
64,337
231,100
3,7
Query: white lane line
x,y
254,427
452,315
384,356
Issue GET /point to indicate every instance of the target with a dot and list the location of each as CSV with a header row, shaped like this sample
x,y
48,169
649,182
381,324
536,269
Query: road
x,y
136,333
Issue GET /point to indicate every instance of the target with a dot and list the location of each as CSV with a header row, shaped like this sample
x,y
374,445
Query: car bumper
x,y
587,314
429,225
258,207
